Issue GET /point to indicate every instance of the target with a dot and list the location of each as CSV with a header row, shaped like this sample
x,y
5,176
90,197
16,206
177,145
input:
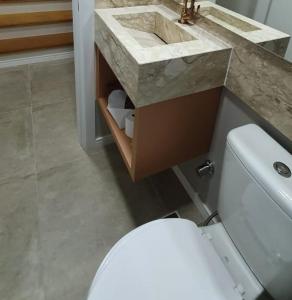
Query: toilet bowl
x,y
246,256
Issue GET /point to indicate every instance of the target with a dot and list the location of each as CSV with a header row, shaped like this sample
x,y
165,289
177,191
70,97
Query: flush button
x,y
282,169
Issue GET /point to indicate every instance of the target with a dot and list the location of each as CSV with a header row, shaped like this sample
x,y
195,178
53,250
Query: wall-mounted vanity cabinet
x,y
166,133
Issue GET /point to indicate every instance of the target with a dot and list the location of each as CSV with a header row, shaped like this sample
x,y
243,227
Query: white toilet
x,y
249,252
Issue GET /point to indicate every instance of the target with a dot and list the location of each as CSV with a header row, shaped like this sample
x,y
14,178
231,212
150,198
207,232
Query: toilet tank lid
x,y
258,152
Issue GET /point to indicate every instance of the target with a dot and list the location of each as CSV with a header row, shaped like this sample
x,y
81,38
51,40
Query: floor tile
x,y
16,149
85,207
70,257
55,229
190,212
102,183
122,204
55,135
52,82
19,255
71,249
170,190
15,88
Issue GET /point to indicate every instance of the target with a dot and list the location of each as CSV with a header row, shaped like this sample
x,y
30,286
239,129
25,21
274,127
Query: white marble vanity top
x,y
202,42
258,32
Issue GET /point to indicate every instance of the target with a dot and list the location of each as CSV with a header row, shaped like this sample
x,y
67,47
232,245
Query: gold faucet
x,y
188,13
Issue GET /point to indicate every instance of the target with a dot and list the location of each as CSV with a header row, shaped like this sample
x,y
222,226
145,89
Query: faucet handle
x,y
192,7
198,9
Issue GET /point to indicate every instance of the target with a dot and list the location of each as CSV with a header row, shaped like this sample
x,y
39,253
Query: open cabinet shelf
x,y
166,133
123,142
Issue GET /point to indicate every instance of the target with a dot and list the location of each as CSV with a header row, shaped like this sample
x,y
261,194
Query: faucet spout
x,y
192,8
188,13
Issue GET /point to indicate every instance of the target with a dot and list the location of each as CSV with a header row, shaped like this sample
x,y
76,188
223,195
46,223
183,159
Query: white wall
x,y
232,113
84,57
274,13
280,17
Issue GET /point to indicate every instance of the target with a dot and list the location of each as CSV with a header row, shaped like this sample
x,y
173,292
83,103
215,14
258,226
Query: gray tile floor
x,y
61,210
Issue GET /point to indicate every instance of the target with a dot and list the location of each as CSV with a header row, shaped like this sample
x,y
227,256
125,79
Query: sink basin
x,y
154,57
227,20
251,30
152,29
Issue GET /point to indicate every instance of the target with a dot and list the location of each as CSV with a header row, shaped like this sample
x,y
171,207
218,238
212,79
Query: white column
x,y
83,25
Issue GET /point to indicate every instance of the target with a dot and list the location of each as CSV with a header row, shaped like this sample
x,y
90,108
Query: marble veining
x,y
259,78
245,27
201,43
123,3
227,20
189,57
278,47
155,24
253,31
146,39
264,82
248,28
144,21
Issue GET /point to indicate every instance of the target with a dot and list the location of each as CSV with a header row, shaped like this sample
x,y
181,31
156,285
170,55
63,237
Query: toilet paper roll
x,y
119,115
116,107
117,99
129,126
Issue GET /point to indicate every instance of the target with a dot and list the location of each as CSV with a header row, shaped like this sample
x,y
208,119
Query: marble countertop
x,y
151,74
247,28
225,52
202,42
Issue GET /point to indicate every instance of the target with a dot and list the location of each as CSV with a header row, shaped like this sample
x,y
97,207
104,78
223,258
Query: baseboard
x,y
7,61
203,209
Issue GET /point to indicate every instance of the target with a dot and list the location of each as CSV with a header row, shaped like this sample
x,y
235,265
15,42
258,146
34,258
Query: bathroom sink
x,y
153,29
251,30
154,57
227,20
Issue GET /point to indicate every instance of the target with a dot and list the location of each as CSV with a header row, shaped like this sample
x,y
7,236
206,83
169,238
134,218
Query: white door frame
x,y
84,55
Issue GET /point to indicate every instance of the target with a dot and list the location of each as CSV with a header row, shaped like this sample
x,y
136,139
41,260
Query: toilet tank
x,y
255,205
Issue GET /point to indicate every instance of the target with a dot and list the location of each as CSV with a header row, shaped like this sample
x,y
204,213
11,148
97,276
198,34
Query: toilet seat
x,y
167,259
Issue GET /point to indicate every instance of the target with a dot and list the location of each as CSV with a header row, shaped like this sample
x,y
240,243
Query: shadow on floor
x,y
150,198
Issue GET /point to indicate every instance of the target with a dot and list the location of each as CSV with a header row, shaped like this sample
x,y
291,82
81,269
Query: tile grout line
x,y
64,100
38,198
37,172
31,117
37,106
